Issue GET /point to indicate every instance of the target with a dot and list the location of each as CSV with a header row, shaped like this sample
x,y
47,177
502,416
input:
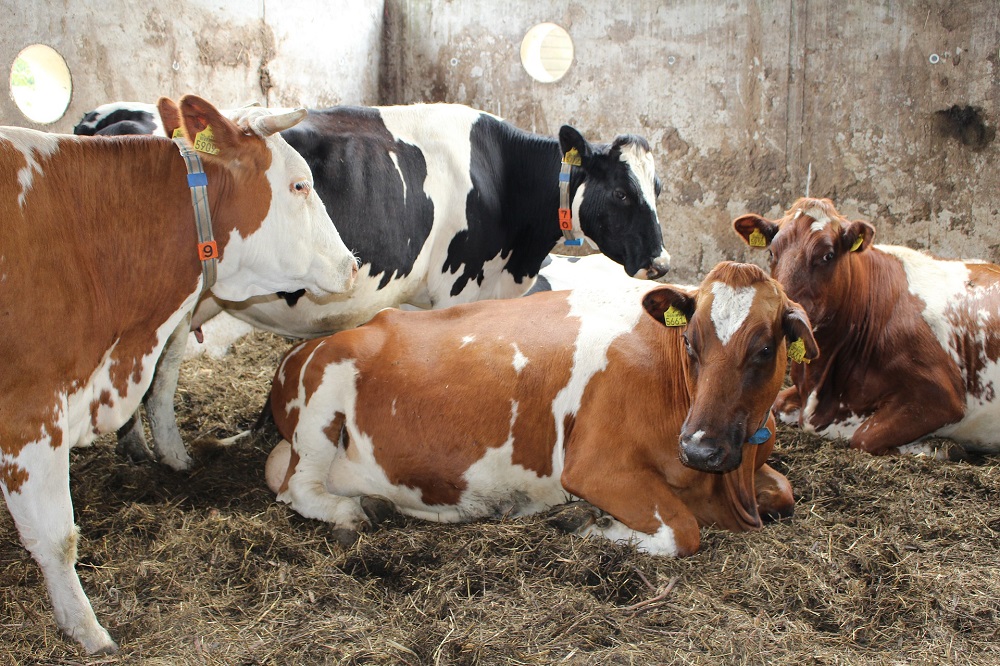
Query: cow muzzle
x,y
656,269
709,454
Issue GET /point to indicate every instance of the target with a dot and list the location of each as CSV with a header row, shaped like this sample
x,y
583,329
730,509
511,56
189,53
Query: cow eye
x,y
687,346
828,257
620,195
765,353
302,187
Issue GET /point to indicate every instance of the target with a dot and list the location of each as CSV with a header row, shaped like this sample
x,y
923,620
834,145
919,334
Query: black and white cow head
x,y
615,201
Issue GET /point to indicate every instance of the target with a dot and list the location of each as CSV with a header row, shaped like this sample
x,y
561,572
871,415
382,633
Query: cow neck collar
x,y
197,180
573,235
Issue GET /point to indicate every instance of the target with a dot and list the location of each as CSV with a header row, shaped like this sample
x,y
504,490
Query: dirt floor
x,y
887,561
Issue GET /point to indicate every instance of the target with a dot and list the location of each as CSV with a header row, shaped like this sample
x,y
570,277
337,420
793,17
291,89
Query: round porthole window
x,y
40,83
547,52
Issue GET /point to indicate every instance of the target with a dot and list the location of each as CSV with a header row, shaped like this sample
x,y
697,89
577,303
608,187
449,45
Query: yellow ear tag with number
x,y
674,317
797,351
857,243
572,157
204,141
757,239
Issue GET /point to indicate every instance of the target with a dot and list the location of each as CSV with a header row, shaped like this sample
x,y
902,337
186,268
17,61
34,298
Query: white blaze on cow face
x,y
33,145
730,308
640,163
296,245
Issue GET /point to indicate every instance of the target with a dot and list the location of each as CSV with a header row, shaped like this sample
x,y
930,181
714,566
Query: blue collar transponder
x,y
762,435
208,250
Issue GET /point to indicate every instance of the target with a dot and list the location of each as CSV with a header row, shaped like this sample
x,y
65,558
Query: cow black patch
x,y
116,123
512,204
350,153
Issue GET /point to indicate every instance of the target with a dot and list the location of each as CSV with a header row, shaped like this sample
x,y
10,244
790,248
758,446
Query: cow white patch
x,y
818,226
31,145
938,283
662,542
604,314
730,308
520,360
819,217
640,162
402,179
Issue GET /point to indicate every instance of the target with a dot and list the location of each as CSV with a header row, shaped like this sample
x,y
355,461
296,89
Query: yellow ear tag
x,y
204,141
674,317
177,133
797,351
857,243
757,239
572,157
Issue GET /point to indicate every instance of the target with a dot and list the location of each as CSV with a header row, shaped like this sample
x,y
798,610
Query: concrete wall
x,y
739,98
277,52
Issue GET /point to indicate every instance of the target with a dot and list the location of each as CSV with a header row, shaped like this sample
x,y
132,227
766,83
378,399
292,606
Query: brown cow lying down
x,y
911,343
510,407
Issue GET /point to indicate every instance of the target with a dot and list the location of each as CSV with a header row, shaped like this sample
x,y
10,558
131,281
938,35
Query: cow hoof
x,y
378,509
573,517
344,537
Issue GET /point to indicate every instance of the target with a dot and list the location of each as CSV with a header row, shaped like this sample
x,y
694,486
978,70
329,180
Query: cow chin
x,y
708,454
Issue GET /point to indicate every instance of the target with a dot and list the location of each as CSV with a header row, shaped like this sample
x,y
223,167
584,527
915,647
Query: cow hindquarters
x,y
42,509
300,472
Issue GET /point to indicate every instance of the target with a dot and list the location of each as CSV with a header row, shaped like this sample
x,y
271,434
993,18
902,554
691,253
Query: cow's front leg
x,y
36,488
774,494
903,420
642,508
168,445
788,405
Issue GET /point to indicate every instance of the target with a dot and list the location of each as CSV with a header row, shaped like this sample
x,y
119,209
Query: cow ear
x,y
170,115
857,236
755,230
570,139
796,326
669,305
217,133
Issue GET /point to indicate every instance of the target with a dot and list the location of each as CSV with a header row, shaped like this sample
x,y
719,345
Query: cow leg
x,y
43,512
132,440
774,494
788,405
647,512
301,473
900,421
168,445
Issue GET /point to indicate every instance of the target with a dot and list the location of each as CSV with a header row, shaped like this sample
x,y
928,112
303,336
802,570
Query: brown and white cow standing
x,y
509,407
911,343
99,263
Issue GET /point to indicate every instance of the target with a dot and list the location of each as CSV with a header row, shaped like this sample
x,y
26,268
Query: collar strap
x,y
572,233
208,250
763,433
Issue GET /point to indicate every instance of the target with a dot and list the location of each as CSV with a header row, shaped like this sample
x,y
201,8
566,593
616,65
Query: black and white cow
x,y
120,118
443,204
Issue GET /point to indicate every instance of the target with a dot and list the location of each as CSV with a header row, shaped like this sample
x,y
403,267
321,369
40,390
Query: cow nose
x,y
708,454
658,268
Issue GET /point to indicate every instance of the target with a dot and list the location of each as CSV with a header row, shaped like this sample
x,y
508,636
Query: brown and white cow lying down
x,y
509,407
99,262
911,343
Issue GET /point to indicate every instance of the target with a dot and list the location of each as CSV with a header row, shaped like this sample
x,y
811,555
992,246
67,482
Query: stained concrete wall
x,y
275,52
742,100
